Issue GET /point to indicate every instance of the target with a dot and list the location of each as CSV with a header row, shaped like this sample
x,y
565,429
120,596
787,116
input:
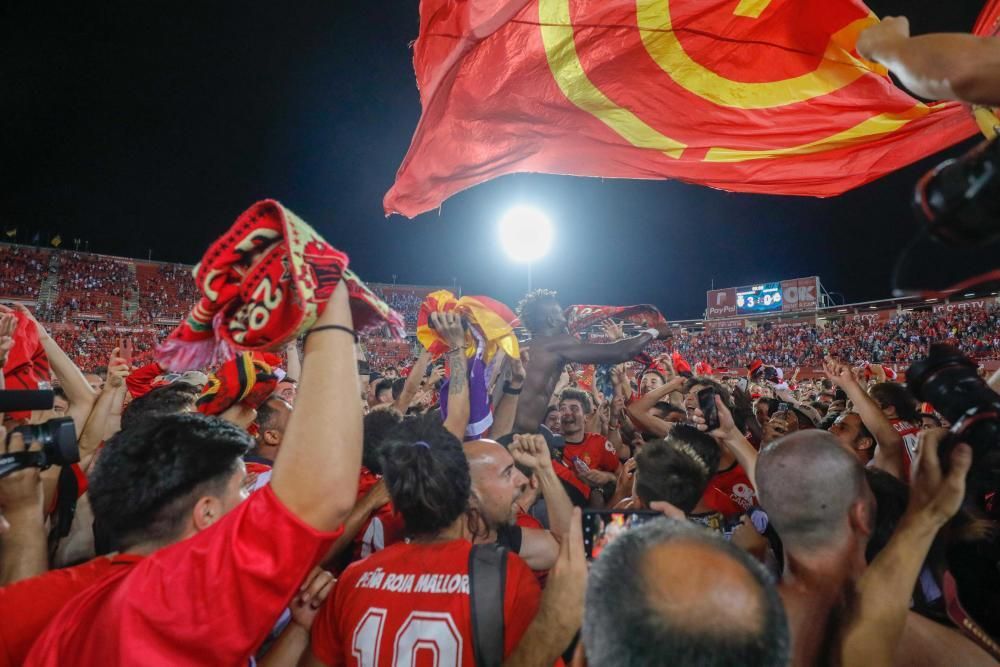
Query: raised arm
x,y
449,325
889,449
639,411
506,410
413,382
875,627
96,429
79,392
731,437
316,472
573,350
540,548
943,66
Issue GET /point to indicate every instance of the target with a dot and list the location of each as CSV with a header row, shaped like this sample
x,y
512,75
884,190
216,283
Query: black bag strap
x,y
487,583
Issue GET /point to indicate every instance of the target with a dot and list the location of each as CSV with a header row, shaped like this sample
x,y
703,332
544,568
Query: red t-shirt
x,y
27,606
595,450
730,491
911,438
565,473
384,527
211,599
411,600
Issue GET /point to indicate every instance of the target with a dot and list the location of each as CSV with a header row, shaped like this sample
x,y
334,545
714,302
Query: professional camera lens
x,y
58,440
960,199
949,381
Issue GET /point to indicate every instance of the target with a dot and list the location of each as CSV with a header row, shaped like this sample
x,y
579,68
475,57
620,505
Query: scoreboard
x,y
764,298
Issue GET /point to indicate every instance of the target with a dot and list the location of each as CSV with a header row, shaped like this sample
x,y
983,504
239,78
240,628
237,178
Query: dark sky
x,y
150,125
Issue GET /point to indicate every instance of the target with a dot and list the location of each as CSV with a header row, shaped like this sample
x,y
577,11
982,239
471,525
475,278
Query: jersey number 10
x,y
423,630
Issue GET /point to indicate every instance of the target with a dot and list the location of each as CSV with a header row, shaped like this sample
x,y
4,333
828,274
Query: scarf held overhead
x,y
264,283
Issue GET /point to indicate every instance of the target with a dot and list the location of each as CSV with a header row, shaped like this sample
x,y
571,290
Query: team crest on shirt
x,y
608,446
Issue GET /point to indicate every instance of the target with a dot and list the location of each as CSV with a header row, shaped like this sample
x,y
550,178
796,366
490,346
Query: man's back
x,y
414,597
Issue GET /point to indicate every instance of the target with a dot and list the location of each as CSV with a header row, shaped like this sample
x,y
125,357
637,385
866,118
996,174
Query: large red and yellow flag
x,y
762,96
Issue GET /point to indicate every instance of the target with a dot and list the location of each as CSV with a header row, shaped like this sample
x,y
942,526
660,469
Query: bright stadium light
x,y
525,234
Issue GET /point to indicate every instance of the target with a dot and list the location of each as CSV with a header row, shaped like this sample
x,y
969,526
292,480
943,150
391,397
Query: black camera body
x,y
949,381
960,199
56,436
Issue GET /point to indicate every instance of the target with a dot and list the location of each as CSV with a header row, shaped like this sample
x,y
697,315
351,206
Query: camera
x,y
960,199
56,436
949,381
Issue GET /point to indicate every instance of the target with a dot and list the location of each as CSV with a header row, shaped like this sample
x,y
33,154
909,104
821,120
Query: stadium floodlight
x,y
525,234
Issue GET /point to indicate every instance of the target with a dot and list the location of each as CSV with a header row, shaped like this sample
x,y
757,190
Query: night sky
x,y
151,125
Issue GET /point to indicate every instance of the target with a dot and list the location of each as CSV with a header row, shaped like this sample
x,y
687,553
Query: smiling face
x,y
573,417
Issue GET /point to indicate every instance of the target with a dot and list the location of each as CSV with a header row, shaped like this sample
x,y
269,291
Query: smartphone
x,y
601,527
706,401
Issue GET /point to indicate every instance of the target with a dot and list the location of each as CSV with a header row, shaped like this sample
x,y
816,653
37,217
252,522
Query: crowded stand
x,y
21,271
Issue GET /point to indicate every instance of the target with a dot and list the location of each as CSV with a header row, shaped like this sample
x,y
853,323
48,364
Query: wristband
x,y
507,389
333,327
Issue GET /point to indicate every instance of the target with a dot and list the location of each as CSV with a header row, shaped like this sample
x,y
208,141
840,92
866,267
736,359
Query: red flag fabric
x,y
765,96
579,318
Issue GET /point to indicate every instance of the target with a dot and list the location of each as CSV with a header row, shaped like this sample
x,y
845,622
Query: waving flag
x,y
764,96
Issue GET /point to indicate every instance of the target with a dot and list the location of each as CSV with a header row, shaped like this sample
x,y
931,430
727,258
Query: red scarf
x,y
583,317
247,379
263,284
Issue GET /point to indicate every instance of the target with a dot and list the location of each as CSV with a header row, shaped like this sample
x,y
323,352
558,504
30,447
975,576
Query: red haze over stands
x,y
88,299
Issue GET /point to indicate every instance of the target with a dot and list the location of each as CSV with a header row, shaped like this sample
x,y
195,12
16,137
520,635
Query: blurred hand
x,y
747,538
42,333
313,591
118,370
612,330
378,495
774,429
449,325
531,451
839,373
668,510
437,374
934,495
727,426
891,30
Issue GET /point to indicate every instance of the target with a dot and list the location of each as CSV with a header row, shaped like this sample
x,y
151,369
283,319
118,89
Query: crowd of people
x,y
299,509
357,516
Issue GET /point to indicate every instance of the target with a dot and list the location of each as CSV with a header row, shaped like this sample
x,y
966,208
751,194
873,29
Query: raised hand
x,y
314,590
531,451
118,369
612,330
839,373
934,494
449,325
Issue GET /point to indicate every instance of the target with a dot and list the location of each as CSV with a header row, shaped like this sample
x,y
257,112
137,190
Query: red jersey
x,y
911,438
384,527
211,599
595,450
730,491
412,600
566,474
27,606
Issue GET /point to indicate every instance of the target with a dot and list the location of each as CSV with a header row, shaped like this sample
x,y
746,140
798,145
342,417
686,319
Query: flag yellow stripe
x,y
885,123
564,61
837,69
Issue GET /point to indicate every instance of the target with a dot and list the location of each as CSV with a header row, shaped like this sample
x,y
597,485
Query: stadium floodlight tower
x,y
526,235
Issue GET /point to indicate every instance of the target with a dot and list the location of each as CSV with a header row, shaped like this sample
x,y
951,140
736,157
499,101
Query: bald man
x,y
817,497
497,487
670,593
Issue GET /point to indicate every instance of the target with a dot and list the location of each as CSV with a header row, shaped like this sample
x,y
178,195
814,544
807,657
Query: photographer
x,y
944,66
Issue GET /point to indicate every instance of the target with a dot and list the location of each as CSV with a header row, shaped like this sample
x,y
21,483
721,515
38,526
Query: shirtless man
x,y
816,496
552,347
